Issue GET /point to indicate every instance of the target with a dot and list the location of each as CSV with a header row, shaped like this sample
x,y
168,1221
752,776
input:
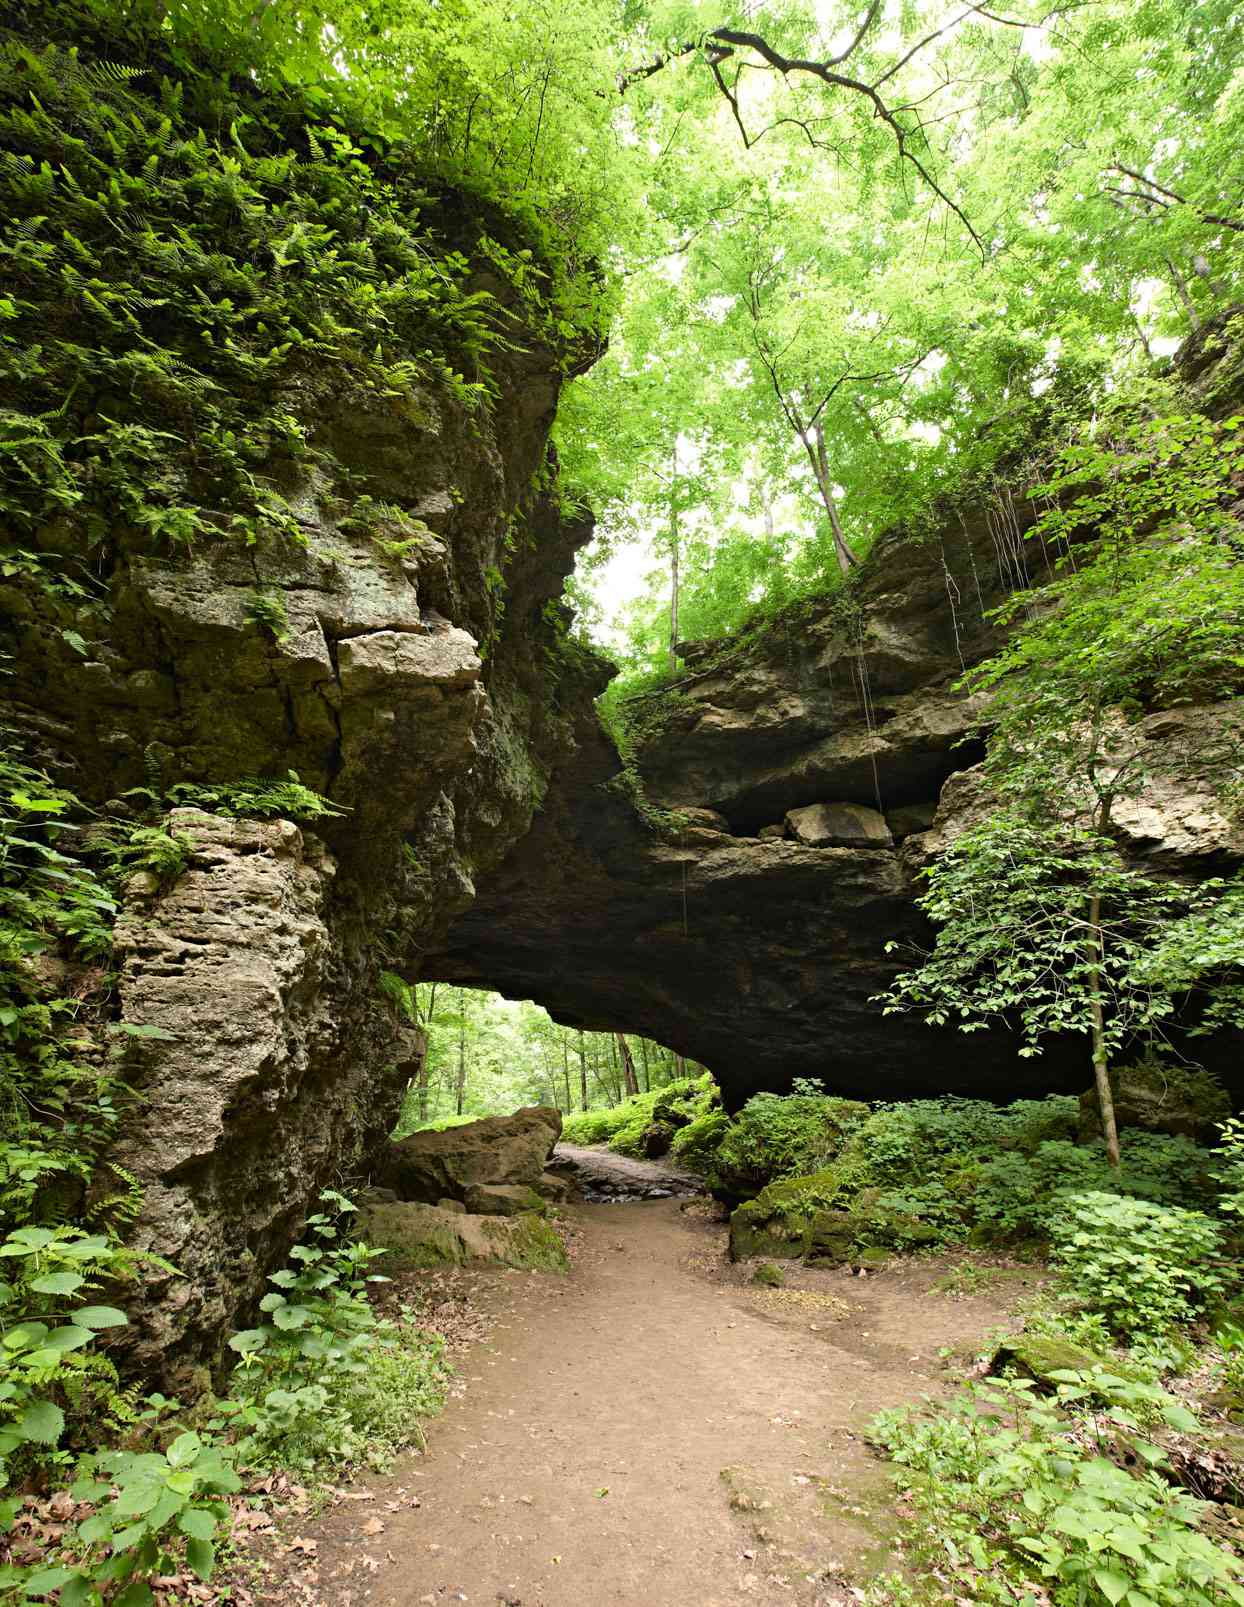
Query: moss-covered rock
x,y
426,1236
1160,1098
778,1222
696,1145
1040,1356
769,1276
773,1138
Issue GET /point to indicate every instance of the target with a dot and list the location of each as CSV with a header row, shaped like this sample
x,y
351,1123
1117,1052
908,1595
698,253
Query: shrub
x,y
776,1136
1010,1491
1145,1268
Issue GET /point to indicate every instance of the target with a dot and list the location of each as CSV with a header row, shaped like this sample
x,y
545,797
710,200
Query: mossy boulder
x,y
808,1218
769,1276
1159,1098
778,1222
426,1236
655,1140
1040,1356
695,1146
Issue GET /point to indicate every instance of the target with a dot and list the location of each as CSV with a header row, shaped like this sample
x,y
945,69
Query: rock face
x,y
1160,1099
749,949
465,1162
268,1057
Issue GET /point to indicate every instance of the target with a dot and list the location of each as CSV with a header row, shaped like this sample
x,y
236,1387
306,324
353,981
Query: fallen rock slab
x,y
502,1199
839,825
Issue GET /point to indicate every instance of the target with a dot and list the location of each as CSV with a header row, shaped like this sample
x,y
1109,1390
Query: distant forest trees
x,y
487,1055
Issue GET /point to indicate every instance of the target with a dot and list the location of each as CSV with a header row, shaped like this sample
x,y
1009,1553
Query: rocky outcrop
x,y
473,1162
672,900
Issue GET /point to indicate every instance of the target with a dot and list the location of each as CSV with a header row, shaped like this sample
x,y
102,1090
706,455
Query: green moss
x,y
770,1276
241,238
696,1145
531,1242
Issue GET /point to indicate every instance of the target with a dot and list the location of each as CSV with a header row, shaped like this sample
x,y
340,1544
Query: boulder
x,y
509,1150
772,833
552,1187
502,1199
427,1236
1160,1098
838,825
798,1218
656,1139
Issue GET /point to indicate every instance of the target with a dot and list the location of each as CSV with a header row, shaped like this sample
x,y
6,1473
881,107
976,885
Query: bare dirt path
x,y
653,1432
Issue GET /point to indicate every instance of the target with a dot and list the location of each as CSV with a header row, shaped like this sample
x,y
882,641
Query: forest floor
x,y
652,1430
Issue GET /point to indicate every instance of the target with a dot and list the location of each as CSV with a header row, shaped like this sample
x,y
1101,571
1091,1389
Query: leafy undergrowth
x,y
648,1124
938,1172
1118,1476
323,1384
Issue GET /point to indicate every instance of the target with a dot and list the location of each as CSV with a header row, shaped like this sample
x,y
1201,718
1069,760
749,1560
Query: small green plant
x,y
323,1380
267,608
1144,1268
152,1507
262,797
44,1331
156,849
1229,1172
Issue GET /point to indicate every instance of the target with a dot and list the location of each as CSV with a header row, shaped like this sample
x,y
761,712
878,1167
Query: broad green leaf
x,y
43,1423
201,1555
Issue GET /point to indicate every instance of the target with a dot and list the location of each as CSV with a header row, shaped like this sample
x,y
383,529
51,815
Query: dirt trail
x,y
583,1467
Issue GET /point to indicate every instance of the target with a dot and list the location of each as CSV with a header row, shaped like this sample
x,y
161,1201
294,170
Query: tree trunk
x,y
566,1071
628,1065
643,1060
615,1079
461,1088
1101,1063
680,1067
820,467
674,540
1185,298
582,1071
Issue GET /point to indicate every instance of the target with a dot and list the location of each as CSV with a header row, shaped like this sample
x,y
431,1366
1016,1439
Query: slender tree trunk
x,y
461,1089
582,1072
425,1070
680,1067
643,1060
1101,1062
820,467
674,543
628,1065
615,1079
566,1072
